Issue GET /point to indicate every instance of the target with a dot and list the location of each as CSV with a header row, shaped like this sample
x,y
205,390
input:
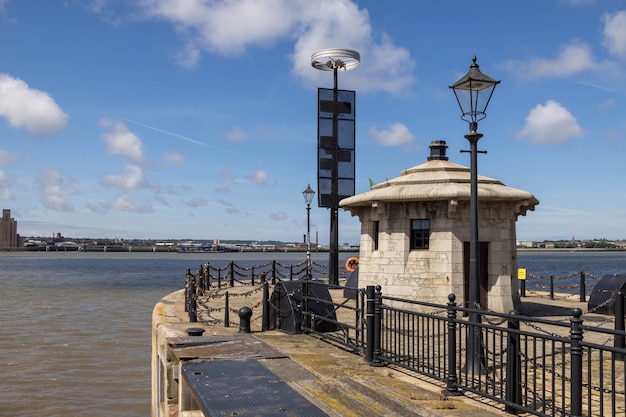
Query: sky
x,y
197,119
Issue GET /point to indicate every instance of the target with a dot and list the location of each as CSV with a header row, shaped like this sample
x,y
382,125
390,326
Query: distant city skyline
x,y
177,119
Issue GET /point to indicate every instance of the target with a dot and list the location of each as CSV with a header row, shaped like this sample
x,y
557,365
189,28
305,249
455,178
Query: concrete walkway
x,y
338,382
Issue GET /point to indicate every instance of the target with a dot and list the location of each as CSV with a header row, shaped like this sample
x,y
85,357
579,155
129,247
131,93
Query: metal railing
x,y
571,284
530,365
232,280
321,313
571,367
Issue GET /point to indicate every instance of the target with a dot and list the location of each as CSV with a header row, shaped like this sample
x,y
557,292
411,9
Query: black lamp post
x,y
308,194
334,59
473,93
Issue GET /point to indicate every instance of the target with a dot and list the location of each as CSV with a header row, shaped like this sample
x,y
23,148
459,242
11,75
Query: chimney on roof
x,y
438,150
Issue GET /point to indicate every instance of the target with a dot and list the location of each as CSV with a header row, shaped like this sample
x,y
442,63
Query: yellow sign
x,y
521,274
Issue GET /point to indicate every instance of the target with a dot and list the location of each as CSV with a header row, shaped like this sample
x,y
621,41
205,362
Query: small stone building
x,y
415,234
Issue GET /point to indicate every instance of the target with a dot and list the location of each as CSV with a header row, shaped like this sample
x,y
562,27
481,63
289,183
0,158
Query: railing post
x,y
274,272
576,337
513,365
219,278
252,279
305,313
200,275
619,325
232,274
378,317
206,274
187,289
265,320
552,287
193,318
583,289
369,320
451,378
226,311
523,287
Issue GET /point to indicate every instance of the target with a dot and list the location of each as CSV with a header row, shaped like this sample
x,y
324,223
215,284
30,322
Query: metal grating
x,y
244,388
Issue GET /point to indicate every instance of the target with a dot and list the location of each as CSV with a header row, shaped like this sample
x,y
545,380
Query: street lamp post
x,y
334,59
308,194
473,93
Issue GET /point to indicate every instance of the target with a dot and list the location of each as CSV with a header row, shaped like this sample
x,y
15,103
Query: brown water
x,y
75,328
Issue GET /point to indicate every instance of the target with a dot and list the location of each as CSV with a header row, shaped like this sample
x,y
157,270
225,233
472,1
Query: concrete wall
x,y
167,321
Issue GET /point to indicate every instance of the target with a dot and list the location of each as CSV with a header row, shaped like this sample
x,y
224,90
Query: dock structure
x,y
202,369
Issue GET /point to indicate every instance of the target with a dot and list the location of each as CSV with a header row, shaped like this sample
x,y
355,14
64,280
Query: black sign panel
x,y
336,146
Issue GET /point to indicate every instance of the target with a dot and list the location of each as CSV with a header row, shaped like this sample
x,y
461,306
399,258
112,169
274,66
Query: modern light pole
x,y
473,93
308,194
332,60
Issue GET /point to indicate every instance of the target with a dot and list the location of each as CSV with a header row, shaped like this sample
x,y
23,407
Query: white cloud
x,y
230,28
131,179
258,177
121,141
278,216
197,202
174,158
615,33
550,123
28,108
574,58
6,195
125,202
54,190
397,134
5,192
7,157
229,207
237,135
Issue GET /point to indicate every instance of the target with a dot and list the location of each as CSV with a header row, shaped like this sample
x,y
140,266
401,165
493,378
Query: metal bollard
x,y
195,331
245,313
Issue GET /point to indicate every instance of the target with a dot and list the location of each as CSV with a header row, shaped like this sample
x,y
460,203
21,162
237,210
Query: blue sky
x,y
196,119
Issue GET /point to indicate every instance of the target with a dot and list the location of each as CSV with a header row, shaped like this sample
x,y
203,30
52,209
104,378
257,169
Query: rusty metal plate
x,y
238,346
244,388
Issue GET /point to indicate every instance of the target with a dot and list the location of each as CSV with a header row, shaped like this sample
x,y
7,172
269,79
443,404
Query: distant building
x,y
8,230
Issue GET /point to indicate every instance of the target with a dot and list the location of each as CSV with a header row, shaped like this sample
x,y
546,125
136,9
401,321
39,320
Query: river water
x,y
75,327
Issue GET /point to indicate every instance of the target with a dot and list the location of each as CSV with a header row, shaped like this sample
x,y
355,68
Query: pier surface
x,y
330,379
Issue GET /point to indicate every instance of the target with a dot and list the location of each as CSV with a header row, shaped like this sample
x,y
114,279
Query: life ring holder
x,y
352,264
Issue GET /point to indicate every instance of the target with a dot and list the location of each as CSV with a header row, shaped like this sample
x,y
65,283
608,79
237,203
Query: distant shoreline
x,y
160,249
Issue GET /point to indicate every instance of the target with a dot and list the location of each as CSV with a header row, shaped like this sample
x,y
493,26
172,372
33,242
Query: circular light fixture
x,y
335,58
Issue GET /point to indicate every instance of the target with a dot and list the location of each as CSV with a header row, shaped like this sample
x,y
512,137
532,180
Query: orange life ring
x,y
352,264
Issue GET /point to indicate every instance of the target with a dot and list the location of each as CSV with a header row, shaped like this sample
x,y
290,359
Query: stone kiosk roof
x,y
439,179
